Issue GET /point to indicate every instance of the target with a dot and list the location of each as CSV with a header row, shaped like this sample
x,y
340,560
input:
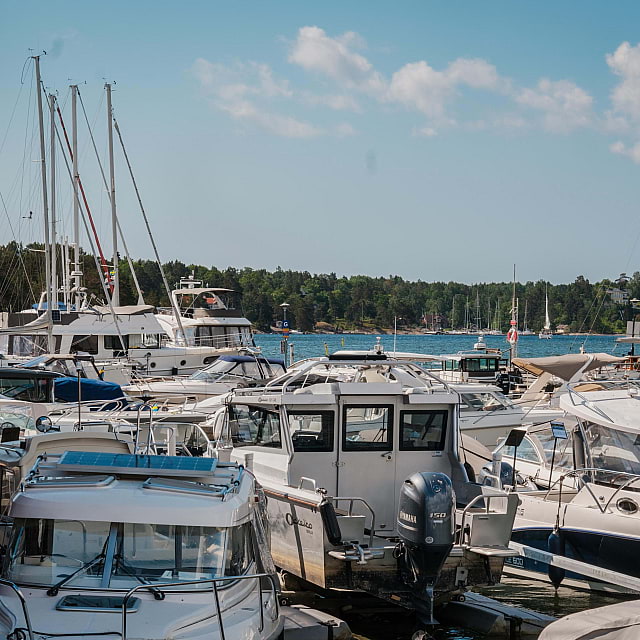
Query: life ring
x,y
512,335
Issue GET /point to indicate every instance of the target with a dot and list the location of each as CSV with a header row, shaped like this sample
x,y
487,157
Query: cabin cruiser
x,y
199,317
150,343
225,374
579,487
105,543
358,456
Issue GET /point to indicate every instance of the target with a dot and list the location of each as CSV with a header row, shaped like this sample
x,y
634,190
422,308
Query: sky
x,y
430,140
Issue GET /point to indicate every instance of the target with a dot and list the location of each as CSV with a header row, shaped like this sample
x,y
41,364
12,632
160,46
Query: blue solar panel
x,y
125,463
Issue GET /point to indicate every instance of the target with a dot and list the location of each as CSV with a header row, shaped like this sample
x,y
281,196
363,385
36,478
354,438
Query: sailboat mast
x,y
77,274
115,278
45,206
53,302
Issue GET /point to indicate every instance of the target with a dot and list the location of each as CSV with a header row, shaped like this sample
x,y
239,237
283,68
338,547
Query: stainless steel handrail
x,y
503,496
350,513
23,603
212,581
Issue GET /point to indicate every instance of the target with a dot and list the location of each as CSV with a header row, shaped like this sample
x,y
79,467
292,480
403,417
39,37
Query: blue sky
x,y
433,140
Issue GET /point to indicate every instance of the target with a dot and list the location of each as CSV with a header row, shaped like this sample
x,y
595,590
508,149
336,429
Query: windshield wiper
x,y
53,591
157,594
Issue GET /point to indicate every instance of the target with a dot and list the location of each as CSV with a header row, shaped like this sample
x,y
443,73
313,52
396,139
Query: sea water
x,y
307,346
535,595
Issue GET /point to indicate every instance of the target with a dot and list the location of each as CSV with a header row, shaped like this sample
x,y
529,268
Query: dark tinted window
x,y
311,430
254,426
423,430
367,427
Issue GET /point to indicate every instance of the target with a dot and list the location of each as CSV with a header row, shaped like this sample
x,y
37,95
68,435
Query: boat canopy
x,y
66,390
129,310
566,366
197,291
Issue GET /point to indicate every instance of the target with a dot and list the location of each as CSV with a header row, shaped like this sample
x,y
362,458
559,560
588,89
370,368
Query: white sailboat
x,y
546,333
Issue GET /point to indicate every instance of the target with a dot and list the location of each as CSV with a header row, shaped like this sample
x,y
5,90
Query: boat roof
x,y
196,291
27,374
251,359
617,408
566,366
177,490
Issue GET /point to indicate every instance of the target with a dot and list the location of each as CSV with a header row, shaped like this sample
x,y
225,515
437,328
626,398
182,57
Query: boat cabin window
x,y
311,430
474,365
423,430
43,552
367,427
29,345
484,401
86,344
612,449
27,389
452,365
564,449
254,427
527,452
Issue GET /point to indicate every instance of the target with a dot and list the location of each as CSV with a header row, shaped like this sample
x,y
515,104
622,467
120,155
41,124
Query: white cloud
x,y
564,105
424,132
236,90
475,73
314,50
344,129
625,97
335,102
632,152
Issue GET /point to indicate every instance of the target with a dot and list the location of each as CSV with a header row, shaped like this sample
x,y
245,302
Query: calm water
x,y
530,594
306,346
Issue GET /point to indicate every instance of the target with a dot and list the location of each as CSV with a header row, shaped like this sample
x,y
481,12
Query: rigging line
x,y
172,302
103,282
13,113
584,320
595,318
106,186
103,262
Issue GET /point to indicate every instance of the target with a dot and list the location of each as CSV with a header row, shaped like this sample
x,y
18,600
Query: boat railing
x,y
367,506
23,604
230,340
591,472
212,581
491,494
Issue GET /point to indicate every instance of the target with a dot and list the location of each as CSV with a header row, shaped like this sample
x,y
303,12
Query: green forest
x,y
348,303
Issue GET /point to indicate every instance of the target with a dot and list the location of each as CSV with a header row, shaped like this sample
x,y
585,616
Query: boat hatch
x,y
107,604
131,464
71,481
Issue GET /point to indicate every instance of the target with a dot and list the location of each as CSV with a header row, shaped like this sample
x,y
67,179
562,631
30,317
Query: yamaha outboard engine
x,y
426,525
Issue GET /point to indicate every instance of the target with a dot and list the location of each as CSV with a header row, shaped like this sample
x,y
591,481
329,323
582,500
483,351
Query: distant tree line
x,y
341,302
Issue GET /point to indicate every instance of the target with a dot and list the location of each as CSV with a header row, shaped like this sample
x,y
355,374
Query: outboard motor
x,y
426,526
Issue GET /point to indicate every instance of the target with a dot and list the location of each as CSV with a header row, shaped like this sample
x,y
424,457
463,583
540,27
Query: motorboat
x,y
358,455
199,317
154,547
225,374
579,487
619,621
487,414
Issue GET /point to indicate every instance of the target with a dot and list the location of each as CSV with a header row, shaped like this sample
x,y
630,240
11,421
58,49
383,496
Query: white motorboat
x,y
148,547
619,621
580,496
225,374
358,454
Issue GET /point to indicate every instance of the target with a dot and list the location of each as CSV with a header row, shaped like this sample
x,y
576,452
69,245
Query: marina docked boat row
x,y
164,477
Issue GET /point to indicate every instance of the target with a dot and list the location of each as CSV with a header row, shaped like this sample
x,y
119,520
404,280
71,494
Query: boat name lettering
x,y
292,520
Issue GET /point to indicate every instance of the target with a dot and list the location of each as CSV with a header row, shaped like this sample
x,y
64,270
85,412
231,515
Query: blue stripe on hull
x,y
599,549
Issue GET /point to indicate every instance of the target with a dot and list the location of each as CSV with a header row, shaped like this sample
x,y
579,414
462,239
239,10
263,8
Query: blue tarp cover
x,y
66,389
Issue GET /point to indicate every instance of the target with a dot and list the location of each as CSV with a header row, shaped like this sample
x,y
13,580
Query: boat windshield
x,y
219,370
485,401
45,552
612,449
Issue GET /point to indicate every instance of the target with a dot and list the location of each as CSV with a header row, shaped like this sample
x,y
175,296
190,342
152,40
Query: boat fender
x,y
330,523
556,545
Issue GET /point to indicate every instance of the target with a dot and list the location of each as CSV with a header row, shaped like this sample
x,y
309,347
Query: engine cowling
x,y
426,525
